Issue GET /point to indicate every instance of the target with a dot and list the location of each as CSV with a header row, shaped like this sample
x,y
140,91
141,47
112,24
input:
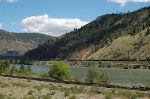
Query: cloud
x,y
51,26
11,1
0,26
15,23
123,2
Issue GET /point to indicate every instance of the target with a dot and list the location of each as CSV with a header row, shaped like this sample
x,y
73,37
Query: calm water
x,y
117,76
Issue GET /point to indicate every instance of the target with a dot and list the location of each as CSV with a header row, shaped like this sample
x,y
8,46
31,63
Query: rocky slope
x,y
12,47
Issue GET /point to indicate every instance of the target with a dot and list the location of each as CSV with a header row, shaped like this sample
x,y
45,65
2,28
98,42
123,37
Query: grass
x,y
72,91
46,96
2,96
108,95
27,74
21,85
121,46
30,92
53,87
93,90
66,93
140,94
38,88
52,93
73,97
3,85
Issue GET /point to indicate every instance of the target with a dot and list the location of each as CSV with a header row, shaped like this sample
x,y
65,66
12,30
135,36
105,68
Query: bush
x,y
13,70
44,74
140,94
76,78
93,76
60,70
108,96
104,79
67,93
52,87
2,96
72,97
30,92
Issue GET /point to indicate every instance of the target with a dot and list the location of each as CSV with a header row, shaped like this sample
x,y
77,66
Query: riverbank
x,y
102,64
32,89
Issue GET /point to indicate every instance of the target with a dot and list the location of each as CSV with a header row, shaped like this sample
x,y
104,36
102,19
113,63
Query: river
x,y
116,75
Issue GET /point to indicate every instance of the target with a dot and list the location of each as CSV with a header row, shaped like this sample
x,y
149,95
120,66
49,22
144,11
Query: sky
x,y
57,17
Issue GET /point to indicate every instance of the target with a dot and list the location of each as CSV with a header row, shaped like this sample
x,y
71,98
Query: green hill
x,y
111,36
34,38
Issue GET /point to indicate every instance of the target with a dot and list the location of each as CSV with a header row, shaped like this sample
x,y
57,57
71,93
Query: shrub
x,y
52,87
93,90
104,79
38,88
140,94
108,96
46,97
73,97
30,92
13,70
22,68
67,93
76,78
52,93
93,76
60,70
44,74
2,96
32,97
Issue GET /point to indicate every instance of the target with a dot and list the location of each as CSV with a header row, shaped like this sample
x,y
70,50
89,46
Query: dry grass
x,y
46,90
137,46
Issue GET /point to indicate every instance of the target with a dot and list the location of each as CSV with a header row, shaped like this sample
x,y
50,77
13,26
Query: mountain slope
x,y
111,36
34,38
11,46
124,48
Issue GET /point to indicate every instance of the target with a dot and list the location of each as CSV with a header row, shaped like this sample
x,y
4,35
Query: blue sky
x,y
56,17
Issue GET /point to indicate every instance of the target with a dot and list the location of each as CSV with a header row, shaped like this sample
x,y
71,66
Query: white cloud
x,y
51,26
15,23
11,1
123,2
0,26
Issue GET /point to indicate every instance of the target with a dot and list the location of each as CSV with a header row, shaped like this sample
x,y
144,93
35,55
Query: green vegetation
x,y
94,76
21,85
72,97
30,92
4,66
35,38
67,93
76,78
60,71
2,96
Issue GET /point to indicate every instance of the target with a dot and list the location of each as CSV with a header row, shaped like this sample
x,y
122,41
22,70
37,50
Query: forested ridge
x,y
129,30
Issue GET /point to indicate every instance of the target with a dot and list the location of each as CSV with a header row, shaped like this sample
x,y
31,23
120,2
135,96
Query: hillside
x,y
111,36
11,46
34,38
